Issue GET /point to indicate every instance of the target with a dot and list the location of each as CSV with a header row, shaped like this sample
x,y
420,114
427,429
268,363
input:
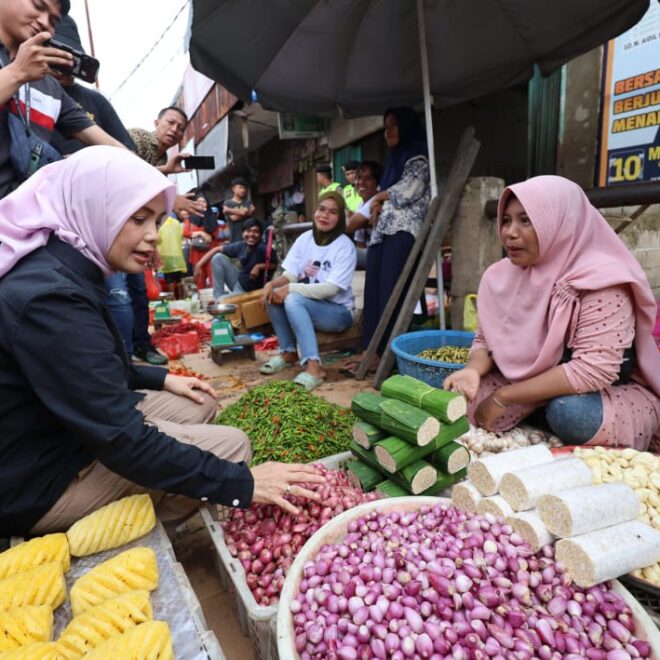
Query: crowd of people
x,y
565,318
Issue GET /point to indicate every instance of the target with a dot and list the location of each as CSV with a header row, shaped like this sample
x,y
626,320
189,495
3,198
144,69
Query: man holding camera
x,y
28,93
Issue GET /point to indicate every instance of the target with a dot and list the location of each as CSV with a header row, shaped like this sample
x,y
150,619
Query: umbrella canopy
x,y
362,56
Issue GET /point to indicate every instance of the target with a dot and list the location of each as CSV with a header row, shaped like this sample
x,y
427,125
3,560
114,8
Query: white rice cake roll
x,y
522,488
494,504
586,509
465,496
486,473
609,553
530,526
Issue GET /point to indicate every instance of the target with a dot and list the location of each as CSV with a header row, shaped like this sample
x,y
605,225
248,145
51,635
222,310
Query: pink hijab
x,y
528,315
84,199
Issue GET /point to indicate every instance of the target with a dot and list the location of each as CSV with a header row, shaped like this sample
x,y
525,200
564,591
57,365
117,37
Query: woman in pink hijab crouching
x,y
80,426
565,323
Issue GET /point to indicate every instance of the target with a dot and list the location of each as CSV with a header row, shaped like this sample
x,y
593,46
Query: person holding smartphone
x,y
26,83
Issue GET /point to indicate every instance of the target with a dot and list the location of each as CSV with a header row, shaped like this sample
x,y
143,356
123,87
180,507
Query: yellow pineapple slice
x,y
36,651
130,570
42,550
25,625
113,525
109,619
43,585
148,641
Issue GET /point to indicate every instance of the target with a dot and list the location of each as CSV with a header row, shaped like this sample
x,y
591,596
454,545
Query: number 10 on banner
x,y
626,167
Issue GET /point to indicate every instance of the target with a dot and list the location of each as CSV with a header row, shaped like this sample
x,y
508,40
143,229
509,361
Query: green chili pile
x,y
286,423
452,354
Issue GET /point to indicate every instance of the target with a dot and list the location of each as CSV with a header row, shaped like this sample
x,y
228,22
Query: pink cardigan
x,y
604,328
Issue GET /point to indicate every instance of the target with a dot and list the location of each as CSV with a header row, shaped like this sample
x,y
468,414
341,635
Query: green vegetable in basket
x,y
286,423
451,354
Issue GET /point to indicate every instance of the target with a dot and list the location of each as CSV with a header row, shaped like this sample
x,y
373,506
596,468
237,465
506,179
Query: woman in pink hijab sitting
x,y
565,324
80,425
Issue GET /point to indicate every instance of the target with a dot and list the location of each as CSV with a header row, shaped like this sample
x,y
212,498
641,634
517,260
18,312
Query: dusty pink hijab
x,y
84,199
528,315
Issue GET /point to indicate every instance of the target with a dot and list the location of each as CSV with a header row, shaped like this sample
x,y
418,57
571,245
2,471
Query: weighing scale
x,y
223,336
162,310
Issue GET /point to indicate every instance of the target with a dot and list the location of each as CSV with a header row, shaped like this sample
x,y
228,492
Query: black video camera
x,y
84,67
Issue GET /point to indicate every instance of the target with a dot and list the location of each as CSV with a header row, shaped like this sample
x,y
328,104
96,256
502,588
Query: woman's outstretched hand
x,y
466,381
272,481
185,386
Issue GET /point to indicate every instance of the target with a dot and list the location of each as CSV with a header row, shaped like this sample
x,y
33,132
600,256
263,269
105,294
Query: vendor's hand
x,y
278,295
266,294
35,61
487,413
466,381
255,272
185,386
272,481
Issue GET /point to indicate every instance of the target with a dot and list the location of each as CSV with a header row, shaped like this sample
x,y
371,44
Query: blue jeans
x,y
138,291
118,301
575,418
224,273
296,320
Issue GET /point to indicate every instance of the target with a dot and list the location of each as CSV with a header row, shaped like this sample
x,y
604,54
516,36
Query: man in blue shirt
x,y
256,265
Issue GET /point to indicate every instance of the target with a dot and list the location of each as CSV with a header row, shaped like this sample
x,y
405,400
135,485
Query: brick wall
x,y
642,238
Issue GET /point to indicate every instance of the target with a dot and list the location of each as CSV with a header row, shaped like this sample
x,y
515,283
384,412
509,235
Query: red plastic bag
x,y
188,342
171,347
153,290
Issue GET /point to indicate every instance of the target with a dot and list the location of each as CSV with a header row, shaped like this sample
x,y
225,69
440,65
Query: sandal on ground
x,y
274,366
308,381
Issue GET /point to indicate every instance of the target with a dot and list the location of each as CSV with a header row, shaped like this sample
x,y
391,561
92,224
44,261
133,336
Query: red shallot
x,y
265,539
428,584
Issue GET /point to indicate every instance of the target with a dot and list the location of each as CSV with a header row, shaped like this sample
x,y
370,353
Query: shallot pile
x,y
266,539
441,583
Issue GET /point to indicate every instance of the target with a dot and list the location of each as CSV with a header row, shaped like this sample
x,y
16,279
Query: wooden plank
x,y
466,155
417,248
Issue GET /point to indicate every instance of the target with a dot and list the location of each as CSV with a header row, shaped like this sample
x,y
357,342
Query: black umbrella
x,y
362,56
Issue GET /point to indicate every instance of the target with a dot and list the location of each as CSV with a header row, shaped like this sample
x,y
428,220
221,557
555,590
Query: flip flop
x,y
273,366
308,381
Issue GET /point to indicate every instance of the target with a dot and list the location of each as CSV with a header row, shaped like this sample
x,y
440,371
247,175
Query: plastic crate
x,y
406,347
256,621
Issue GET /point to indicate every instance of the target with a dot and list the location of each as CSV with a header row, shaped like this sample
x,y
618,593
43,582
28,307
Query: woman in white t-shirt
x,y
313,293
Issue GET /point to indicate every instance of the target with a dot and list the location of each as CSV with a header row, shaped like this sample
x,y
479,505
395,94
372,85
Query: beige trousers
x,y
180,418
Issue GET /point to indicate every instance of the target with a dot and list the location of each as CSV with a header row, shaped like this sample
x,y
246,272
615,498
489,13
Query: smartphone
x,y
199,163
84,67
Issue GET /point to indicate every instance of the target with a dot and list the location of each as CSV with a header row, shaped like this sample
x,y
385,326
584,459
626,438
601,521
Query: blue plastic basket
x,y
406,347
